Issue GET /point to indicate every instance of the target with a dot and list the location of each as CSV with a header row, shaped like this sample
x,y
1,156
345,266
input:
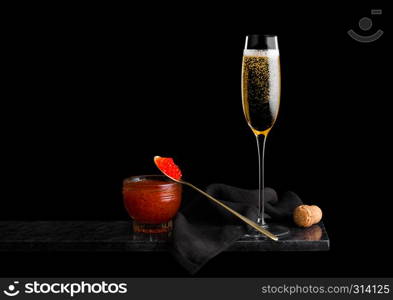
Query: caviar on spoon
x,y
168,167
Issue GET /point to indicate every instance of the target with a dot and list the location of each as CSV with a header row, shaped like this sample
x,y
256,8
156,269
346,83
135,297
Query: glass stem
x,y
261,141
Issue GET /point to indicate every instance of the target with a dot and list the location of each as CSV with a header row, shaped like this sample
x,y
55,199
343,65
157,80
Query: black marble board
x,y
112,236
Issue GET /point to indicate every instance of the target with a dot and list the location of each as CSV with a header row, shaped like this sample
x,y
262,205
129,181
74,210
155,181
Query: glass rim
x,y
157,177
261,42
262,35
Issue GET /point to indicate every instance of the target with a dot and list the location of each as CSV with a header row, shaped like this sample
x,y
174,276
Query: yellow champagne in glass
x,y
261,82
261,88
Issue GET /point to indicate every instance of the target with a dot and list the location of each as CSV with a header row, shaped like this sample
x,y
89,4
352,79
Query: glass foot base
x,y
152,228
277,230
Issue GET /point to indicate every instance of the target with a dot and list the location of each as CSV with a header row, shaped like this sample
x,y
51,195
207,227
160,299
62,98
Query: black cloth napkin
x,y
203,229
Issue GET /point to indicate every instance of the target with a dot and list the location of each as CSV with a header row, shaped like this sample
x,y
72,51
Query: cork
x,y
307,215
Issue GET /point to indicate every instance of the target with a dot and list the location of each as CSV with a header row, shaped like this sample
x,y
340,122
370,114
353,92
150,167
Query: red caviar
x,y
168,167
151,199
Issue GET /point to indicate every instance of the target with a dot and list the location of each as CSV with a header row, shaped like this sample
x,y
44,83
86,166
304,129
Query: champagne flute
x,y
261,88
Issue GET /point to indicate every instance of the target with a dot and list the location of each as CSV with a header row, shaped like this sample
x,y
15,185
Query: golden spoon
x,y
241,217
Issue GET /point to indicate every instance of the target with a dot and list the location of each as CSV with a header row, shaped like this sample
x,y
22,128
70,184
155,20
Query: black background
x,y
92,94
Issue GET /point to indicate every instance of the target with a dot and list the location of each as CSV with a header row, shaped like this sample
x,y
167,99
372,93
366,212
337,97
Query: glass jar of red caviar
x,y
151,201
